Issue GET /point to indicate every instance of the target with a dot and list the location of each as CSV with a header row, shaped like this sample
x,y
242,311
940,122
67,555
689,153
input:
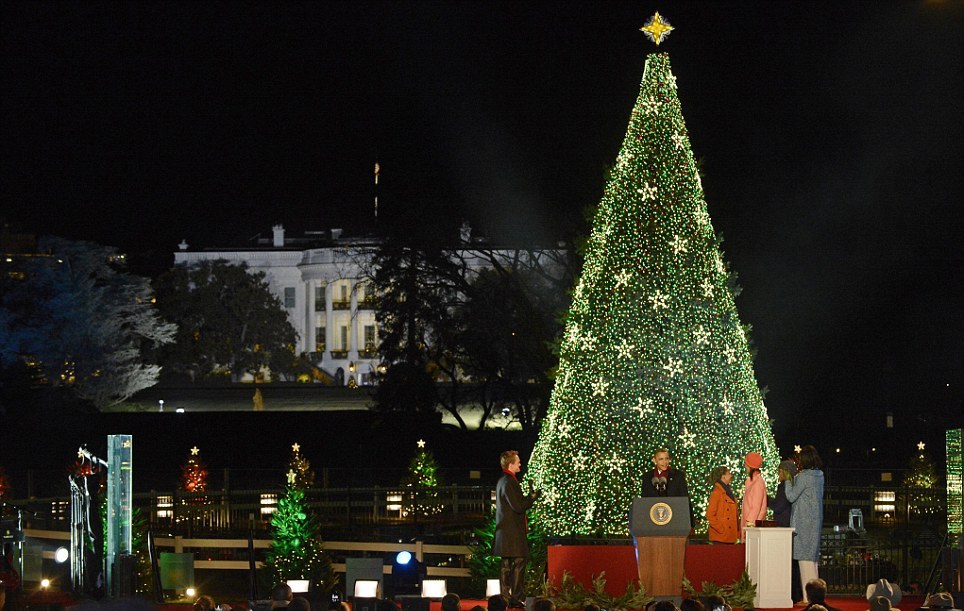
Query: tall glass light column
x,y
119,498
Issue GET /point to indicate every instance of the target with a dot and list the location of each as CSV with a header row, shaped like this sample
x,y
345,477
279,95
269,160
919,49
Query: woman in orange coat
x,y
721,510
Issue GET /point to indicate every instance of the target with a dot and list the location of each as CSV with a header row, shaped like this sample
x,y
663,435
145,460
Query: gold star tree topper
x,y
657,28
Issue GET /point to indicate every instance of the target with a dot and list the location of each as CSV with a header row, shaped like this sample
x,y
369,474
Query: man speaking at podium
x,y
665,480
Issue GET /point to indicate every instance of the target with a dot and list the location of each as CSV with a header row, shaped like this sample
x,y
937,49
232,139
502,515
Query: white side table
x,y
769,552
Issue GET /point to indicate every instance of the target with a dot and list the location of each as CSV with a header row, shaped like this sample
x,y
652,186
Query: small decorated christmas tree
x,y
194,478
922,485
422,484
296,546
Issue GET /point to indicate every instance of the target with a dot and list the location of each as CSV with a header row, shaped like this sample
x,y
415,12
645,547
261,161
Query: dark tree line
x,y
469,325
229,322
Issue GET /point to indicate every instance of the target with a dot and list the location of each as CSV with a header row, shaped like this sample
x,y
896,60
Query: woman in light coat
x,y
805,493
754,493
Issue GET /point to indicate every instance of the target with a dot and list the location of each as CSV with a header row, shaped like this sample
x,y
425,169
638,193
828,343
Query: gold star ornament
x,y
295,447
657,28
195,450
421,443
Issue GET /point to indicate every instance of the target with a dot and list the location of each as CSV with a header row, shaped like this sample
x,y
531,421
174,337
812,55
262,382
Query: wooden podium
x,y
659,526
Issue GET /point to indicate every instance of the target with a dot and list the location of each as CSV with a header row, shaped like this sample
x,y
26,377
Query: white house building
x,y
321,280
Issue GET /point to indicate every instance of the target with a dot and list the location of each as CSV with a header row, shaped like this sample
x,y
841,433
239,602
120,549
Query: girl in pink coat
x,y
754,494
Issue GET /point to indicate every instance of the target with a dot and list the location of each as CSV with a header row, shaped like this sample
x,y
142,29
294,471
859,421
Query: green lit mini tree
x,y
654,353
421,485
922,485
296,546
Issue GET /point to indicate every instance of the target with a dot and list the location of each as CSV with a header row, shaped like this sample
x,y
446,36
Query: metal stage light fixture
x,y
407,573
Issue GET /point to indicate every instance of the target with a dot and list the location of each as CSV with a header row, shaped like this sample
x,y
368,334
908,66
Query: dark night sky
x,y
830,135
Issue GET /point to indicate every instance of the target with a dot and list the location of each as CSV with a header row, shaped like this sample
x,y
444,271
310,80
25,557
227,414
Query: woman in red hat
x,y
754,494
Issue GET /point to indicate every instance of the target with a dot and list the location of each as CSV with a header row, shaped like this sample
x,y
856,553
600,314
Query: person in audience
x,y
691,604
914,588
299,603
477,608
882,587
543,604
339,606
721,509
717,603
497,602
204,603
386,605
816,591
591,607
451,602
754,493
280,596
805,494
880,603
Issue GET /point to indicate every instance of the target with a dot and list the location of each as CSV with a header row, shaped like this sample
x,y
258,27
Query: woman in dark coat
x,y
781,515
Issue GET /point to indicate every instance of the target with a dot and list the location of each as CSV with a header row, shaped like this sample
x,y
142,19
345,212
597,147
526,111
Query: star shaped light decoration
x,y
195,450
295,447
678,244
600,386
647,191
730,353
673,367
587,342
291,476
643,406
616,463
573,333
920,446
625,350
623,278
658,299
727,406
707,287
420,443
657,28
796,449
688,438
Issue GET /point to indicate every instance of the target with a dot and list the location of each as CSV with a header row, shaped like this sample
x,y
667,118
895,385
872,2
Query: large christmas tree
x,y
654,353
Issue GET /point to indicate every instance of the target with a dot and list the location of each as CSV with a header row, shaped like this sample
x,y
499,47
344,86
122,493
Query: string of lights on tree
x,y
296,545
654,352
